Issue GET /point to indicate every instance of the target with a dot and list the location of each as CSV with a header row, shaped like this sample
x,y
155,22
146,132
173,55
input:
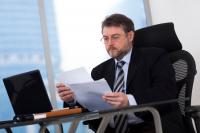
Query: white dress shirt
x,y
126,59
131,117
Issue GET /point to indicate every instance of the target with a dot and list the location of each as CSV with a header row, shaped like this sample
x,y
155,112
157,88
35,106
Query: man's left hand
x,y
116,99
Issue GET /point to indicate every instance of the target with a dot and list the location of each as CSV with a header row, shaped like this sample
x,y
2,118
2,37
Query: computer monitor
x,y
27,93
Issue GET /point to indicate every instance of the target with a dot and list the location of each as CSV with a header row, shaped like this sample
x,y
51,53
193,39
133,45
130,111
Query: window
x,y
21,47
74,31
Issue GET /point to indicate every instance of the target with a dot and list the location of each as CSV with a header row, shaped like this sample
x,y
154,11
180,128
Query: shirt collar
x,y
126,58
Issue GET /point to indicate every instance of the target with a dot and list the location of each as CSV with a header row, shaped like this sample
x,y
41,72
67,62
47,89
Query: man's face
x,y
116,41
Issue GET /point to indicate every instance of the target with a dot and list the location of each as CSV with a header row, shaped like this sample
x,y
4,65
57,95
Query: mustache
x,y
111,48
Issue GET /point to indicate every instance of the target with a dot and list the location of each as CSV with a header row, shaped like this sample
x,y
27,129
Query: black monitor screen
x,y
27,93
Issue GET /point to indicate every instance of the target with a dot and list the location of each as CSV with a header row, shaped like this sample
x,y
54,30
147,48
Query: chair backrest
x,y
164,36
185,70
160,35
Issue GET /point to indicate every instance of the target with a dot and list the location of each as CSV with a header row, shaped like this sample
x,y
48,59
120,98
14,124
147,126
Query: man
x,y
136,76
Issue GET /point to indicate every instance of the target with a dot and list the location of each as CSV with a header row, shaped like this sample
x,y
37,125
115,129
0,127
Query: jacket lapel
x,y
133,66
110,74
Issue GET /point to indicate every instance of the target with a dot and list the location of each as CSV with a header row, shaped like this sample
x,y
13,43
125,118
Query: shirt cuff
x,y
72,103
131,99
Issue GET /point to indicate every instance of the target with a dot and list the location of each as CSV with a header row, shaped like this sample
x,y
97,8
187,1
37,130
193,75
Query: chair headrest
x,y
160,35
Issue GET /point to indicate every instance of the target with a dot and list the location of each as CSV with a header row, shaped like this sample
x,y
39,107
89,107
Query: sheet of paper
x,y
79,75
89,94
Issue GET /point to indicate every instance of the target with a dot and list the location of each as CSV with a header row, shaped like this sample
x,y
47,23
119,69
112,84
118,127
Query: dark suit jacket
x,y
150,78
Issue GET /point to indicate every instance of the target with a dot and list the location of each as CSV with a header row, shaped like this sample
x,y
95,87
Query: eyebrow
x,y
111,35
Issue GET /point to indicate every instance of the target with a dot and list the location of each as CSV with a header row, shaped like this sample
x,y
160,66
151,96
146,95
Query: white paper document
x,y
88,94
79,75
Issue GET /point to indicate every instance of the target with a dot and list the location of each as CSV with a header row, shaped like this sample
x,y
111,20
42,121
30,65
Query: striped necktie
x,y
120,120
119,82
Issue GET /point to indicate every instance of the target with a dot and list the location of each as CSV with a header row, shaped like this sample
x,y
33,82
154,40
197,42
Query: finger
x,y
113,104
110,99
113,95
118,98
65,93
61,89
67,98
60,85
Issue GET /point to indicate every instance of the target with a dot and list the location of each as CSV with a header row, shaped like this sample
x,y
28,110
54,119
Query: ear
x,y
131,35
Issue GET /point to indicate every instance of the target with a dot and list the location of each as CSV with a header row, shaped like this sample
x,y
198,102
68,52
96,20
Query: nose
x,y
110,42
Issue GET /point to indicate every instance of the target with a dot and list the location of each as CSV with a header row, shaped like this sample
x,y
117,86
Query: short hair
x,y
118,20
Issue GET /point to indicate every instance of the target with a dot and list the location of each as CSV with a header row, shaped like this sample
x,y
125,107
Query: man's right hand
x,y
65,93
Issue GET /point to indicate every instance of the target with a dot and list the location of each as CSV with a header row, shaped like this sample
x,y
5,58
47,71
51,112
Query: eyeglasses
x,y
113,38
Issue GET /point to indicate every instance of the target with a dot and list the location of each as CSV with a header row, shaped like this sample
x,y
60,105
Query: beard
x,y
118,53
115,53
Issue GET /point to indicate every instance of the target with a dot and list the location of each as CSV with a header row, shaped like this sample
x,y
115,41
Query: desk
x,y
76,118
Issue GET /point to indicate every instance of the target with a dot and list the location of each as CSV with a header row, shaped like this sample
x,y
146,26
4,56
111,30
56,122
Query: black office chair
x,y
164,36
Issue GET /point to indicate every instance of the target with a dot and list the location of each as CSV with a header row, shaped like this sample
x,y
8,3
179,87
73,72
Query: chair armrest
x,y
193,111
